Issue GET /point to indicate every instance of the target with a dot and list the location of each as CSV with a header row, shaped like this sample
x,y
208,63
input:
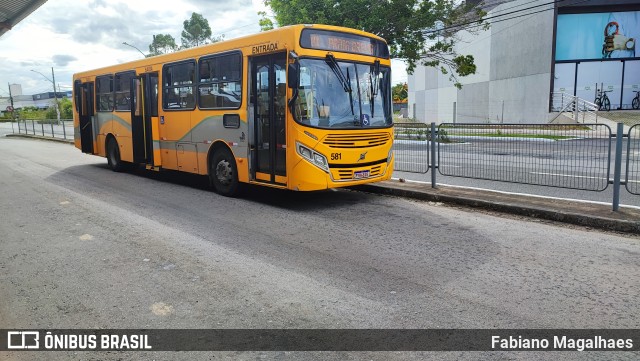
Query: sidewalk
x,y
586,214
602,119
59,140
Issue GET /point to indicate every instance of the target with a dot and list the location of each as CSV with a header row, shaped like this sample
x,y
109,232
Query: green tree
x,y
66,111
162,44
400,92
264,22
31,113
409,26
66,108
196,31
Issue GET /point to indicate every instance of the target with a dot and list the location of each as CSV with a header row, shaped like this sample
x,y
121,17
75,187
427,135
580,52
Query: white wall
x,y
513,77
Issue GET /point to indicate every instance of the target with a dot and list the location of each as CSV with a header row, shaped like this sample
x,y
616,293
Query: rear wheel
x,y
113,156
223,173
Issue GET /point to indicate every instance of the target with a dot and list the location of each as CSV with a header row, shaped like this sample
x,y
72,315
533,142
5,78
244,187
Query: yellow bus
x,y
304,107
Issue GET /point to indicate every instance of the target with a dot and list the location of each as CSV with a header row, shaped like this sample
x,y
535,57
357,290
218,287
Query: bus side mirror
x,y
293,77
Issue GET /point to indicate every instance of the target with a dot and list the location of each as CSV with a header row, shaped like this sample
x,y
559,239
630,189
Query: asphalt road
x,y
83,247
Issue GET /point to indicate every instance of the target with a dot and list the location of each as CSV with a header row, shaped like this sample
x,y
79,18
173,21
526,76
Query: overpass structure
x,y
13,12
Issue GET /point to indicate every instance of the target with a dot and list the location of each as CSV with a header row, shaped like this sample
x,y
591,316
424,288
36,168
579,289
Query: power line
x,y
512,7
477,22
511,18
473,24
536,12
497,32
234,29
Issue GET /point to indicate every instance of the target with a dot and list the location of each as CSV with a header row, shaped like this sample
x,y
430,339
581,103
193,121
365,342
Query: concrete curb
x,y
566,216
59,140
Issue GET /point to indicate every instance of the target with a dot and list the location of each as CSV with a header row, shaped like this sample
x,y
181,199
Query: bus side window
x,y
179,86
220,82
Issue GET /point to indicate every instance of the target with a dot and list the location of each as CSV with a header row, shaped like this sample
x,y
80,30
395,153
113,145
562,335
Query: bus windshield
x,y
338,94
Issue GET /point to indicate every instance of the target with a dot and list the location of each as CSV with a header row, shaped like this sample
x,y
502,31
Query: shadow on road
x,y
286,199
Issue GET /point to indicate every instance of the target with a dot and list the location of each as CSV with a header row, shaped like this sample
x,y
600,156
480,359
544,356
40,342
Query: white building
x,y
532,49
41,101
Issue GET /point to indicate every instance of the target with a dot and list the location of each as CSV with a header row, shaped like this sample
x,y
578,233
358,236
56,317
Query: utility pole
x,y
11,99
55,94
127,44
13,114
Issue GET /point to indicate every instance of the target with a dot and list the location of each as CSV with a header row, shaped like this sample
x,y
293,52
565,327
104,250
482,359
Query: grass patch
x,y
502,128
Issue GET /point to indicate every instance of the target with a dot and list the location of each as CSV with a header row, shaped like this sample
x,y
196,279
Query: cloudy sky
x,y
73,36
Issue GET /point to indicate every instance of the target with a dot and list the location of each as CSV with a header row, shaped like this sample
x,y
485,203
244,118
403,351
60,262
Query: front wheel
x,y
635,104
223,173
113,156
606,104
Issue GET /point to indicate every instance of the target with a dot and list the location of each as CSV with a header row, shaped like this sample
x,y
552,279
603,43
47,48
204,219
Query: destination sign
x,y
343,42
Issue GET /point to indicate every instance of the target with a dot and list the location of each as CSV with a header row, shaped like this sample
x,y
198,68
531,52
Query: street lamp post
x,y
55,93
127,44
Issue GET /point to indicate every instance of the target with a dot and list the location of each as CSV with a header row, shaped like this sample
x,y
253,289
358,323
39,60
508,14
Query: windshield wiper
x,y
344,81
375,86
333,64
350,92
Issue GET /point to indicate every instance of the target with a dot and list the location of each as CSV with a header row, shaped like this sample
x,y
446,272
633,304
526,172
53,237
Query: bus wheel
x,y
113,156
223,173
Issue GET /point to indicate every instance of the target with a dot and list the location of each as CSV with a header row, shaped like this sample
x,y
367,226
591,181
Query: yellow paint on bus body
x,y
182,139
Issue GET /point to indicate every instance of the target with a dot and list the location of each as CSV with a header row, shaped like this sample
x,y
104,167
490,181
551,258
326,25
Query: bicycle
x,y
635,103
602,100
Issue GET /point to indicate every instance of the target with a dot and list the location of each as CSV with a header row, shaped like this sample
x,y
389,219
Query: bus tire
x,y
223,173
113,156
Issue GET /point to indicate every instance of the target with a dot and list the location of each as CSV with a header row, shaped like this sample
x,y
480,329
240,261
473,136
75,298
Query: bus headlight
x,y
312,156
389,156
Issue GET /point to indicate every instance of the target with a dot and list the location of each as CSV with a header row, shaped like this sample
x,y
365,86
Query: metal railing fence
x,y
576,108
45,127
632,178
554,155
411,147
574,156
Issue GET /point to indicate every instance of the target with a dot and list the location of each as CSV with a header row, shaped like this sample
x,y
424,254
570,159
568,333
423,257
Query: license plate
x,y
361,174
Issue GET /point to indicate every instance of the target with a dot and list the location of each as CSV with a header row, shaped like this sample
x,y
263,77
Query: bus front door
x,y
143,111
268,97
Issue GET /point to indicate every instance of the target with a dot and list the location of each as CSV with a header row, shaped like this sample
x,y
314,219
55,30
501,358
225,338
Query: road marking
x,y
567,175
64,203
419,163
86,237
578,176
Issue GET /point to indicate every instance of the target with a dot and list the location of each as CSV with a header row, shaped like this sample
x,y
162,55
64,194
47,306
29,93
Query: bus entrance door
x,y
268,101
144,113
